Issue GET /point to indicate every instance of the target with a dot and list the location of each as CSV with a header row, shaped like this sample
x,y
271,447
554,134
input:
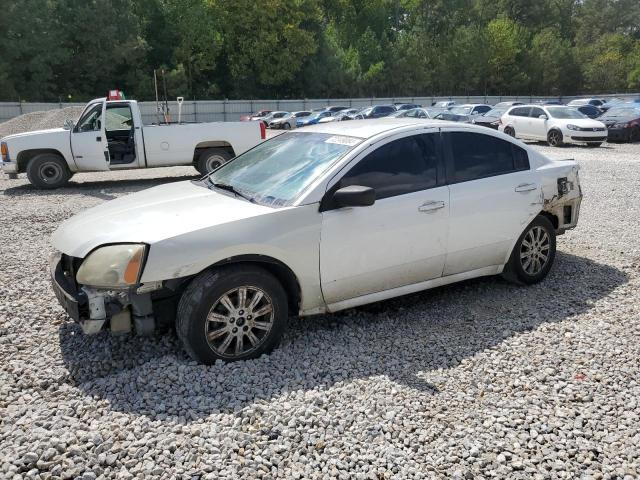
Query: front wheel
x,y
232,313
48,170
510,131
534,252
287,126
554,138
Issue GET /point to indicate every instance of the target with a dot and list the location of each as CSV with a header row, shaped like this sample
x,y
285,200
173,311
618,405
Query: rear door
x,y
493,196
89,140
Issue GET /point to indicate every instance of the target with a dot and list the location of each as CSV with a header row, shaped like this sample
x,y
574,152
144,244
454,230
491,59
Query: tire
x,y
212,158
287,126
594,145
554,138
202,309
523,266
48,171
510,131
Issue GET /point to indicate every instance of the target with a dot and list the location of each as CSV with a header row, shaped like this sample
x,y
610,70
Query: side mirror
x,y
543,117
354,196
68,124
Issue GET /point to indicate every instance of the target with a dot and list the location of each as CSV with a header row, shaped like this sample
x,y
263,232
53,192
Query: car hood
x,y
50,131
620,119
583,122
150,216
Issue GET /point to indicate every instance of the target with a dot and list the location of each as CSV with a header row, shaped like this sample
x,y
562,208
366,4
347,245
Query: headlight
x,y
620,125
573,127
113,266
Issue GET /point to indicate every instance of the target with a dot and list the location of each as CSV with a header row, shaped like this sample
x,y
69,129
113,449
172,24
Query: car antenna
x,y
167,117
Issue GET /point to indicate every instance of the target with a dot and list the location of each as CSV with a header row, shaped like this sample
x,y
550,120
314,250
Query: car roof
x,y
371,128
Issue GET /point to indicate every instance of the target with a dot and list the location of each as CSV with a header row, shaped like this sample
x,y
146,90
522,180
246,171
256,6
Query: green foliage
x,y
61,49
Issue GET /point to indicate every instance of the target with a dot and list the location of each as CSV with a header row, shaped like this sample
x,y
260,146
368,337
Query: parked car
x,y
267,119
623,123
547,102
596,102
507,104
406,106
376,111
413,113
589,110
289,121
491,118
610,103
313,118
554,124
334,109
470,109
110,135
452,117
445,104
312,222
339,116
255,116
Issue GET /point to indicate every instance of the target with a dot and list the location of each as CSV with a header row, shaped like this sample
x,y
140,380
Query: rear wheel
x,y
510,131
554,138
534,252
232,313
211,159
48,170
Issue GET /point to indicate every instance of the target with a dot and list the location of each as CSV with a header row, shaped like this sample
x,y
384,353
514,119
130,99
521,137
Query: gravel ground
x,y
39,120
476,380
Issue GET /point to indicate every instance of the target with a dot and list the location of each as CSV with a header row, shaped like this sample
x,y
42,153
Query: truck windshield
x,y
277,171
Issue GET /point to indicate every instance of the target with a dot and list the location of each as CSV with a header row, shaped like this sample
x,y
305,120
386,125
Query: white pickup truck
x,y
109,135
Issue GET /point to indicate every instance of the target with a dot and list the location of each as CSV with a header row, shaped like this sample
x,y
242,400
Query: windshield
x,y
277,171
461,110
564,112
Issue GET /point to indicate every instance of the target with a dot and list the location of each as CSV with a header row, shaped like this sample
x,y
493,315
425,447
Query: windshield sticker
x,y
340,140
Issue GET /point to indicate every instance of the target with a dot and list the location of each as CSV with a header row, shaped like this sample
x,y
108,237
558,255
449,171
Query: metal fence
x,y
230,110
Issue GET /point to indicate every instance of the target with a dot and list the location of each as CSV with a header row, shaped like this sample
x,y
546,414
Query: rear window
x,y
475,156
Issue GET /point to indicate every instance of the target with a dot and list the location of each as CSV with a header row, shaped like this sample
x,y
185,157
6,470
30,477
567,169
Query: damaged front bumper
x,y
94,309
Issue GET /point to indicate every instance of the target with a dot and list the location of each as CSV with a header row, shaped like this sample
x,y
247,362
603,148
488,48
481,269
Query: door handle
x,y
98,139
526,187
430,206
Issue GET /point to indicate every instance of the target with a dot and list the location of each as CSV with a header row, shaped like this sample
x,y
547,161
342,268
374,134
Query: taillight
x,y
263,131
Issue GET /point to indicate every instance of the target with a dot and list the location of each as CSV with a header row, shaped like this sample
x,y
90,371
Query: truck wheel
x,y
48,170
212,158
231,313
534,252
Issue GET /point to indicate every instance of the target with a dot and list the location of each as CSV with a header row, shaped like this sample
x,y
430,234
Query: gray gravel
x,y
477,380
39,120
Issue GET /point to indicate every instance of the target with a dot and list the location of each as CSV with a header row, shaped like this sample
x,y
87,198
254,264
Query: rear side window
x,y
475,155
520,112
397,168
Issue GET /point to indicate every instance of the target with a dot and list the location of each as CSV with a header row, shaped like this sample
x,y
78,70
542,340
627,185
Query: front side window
x,y
277,171
536,112
520,112
398,167
90,121
475,156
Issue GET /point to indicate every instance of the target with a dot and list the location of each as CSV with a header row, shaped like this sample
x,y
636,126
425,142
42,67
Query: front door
x,y
89,140
494,196
537,127
401,238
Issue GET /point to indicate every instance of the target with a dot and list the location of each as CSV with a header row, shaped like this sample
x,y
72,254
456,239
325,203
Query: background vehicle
x,y
333,109
339,116
623,123
376,111
288,121
109,135
589,110
596,102
267,119
507,104
554,124
453,117
470,109
255,116
406,106
414,113
445,105
313,118
491,118
367,200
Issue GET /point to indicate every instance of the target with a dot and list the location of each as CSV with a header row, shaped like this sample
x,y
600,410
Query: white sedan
x,y
318,220
555,124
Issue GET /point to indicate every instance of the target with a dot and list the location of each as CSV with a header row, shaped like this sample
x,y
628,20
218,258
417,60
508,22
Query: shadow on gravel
x,y
89,188
402,339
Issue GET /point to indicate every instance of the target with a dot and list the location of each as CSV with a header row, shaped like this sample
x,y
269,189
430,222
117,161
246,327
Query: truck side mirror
x,y
68,124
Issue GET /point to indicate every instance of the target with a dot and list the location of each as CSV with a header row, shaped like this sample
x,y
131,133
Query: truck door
x,y
89,139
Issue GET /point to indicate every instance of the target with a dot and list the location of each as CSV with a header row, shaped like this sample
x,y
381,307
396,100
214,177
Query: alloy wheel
x,y
534,250
239,321
554,138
